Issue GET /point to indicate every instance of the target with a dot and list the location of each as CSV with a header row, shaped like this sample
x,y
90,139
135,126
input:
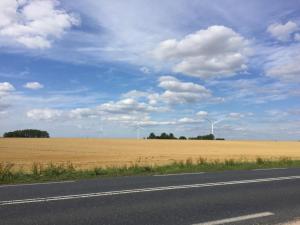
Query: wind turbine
x,y
213,123
138,130
100,130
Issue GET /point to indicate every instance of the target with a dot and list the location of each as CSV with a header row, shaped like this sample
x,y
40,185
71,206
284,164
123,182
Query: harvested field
x,y
88,153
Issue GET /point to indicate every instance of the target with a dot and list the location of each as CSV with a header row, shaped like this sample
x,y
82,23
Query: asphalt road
x,y
233,197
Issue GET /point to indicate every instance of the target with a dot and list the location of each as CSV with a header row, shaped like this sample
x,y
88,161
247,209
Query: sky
x,y
111,69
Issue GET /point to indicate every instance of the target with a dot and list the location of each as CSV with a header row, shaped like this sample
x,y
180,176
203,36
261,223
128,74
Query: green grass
x,y
56,172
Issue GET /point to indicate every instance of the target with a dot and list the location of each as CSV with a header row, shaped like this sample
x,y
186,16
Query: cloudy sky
x,y
99,68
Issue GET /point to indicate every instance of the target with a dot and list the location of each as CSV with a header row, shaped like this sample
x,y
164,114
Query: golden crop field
x,y
87,153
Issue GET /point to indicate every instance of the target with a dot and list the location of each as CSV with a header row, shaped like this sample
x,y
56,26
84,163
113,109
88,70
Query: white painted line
x,y
165,188
237,219
271,169
176,174
20,185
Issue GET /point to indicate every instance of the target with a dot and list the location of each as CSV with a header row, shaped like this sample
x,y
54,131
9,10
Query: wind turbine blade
x,y
218,121
208,120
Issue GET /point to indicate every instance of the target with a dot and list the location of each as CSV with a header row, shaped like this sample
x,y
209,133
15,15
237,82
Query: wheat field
x,y
88,153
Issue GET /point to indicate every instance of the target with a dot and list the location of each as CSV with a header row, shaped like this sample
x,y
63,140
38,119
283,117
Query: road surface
x,y
233,197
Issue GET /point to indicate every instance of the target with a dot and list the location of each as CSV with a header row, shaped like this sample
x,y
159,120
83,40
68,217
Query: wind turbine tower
x,y
212,123
138,130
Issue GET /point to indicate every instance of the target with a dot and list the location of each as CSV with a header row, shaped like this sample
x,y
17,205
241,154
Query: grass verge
x,y
58,172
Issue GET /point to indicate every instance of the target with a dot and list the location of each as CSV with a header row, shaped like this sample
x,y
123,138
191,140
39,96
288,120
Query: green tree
x,y
164,136
28,133
171,136
152,136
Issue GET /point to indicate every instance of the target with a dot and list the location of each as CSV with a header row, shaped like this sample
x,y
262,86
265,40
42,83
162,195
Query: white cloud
x,y
276,113
43,114
135,94
34,23
187,120
297,37
284,64
178,92
127,106
235,115
153,98
288,72
283,32
175,92
33,85
172,84
182,97
83,113
128,119
215,52
145,70
202,113
6,87
156,123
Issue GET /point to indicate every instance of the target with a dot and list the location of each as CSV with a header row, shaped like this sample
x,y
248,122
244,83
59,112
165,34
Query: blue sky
x,y
103,68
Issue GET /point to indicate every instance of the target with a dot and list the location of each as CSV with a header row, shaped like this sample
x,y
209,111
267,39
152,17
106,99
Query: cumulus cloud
x,y
177,91
33,85
215,52
44,114
283,32
34,23
202,113
135,94
126,110
83,113
128,105
6,87
173,84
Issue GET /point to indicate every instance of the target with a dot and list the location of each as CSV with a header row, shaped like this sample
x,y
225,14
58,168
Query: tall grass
x,y
65,171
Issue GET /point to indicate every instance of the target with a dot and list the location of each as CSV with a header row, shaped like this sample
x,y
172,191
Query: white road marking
x,y
237,219
20,185
176,174
121,192
271,169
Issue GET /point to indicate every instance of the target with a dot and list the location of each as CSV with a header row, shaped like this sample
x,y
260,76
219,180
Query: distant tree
x,y
164,136
182,138
152,136
208,137
28,133
171,136
204,137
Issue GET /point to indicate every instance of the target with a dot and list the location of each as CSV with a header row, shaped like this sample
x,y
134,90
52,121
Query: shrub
x,y
6,171
260,161
201,161
229,162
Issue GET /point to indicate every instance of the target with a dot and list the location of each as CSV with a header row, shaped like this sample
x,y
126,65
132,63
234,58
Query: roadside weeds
x,y
67,171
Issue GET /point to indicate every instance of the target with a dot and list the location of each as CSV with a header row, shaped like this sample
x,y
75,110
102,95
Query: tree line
x,y
28,133
171,136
